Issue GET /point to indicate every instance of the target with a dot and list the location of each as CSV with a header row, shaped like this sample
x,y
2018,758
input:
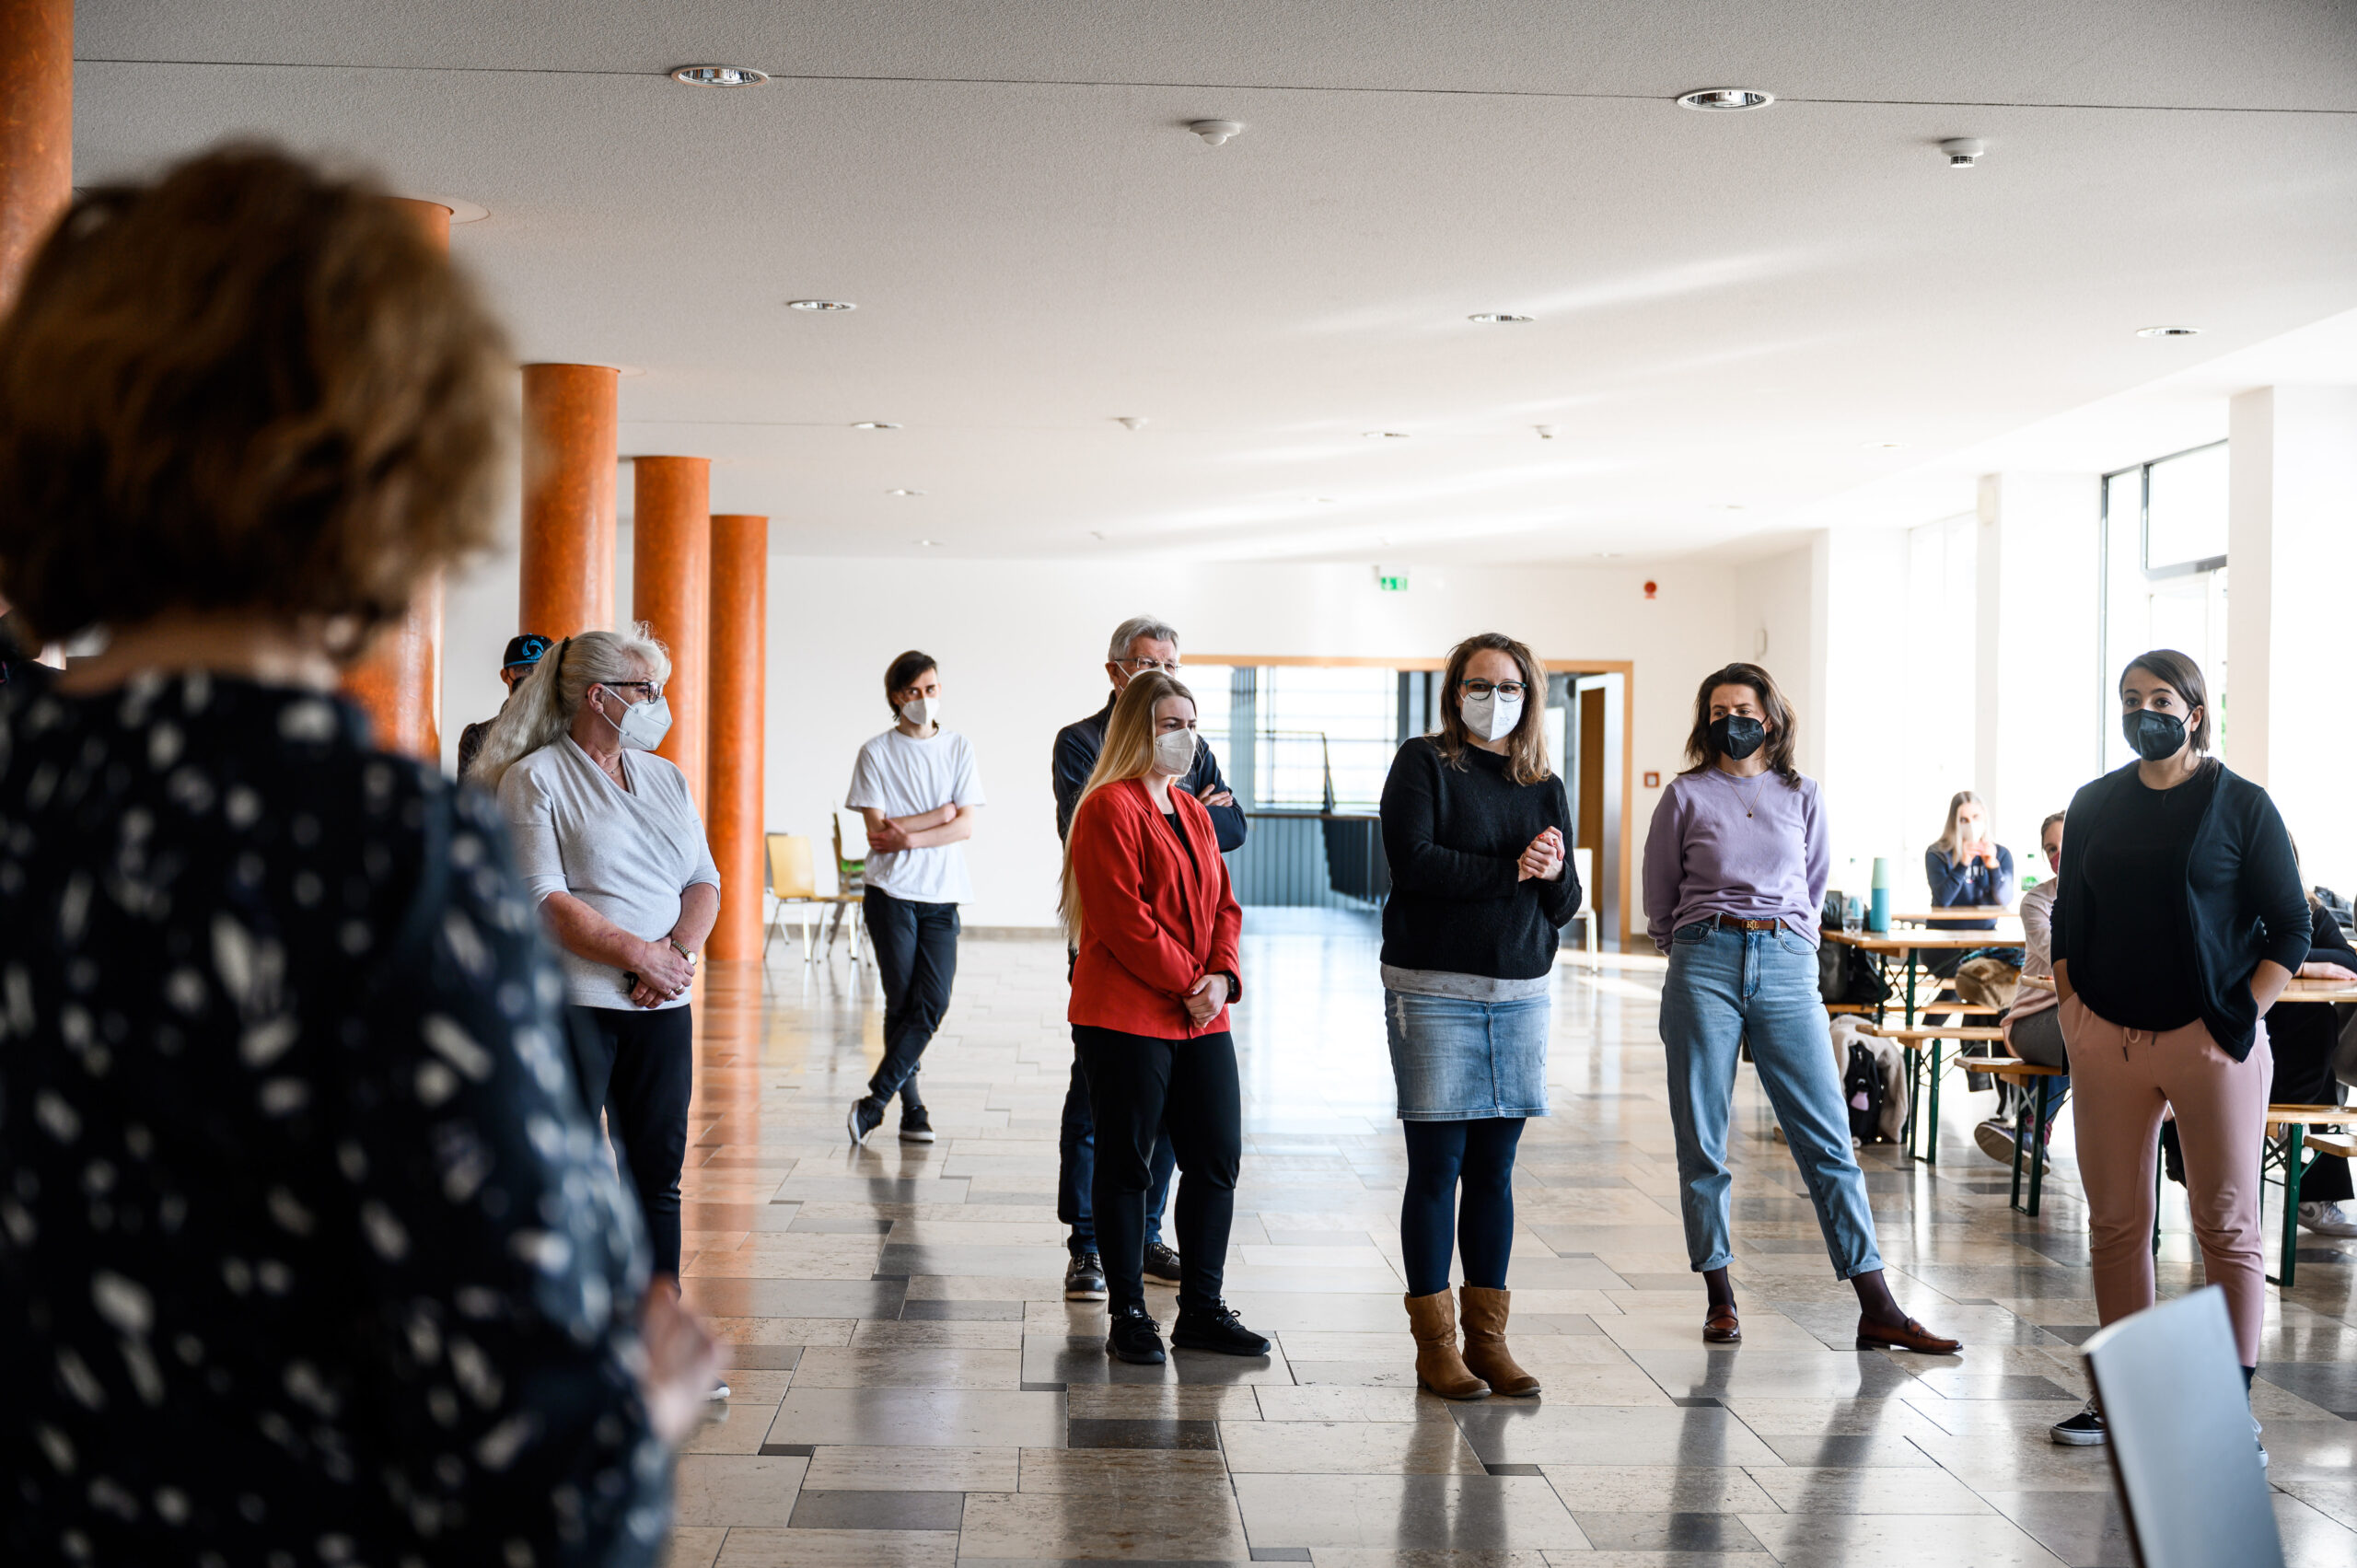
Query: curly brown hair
x,y
249,385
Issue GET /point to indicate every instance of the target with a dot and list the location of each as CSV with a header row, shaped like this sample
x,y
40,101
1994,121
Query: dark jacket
x,y
1458,902
2243,902
1971,883
1077,746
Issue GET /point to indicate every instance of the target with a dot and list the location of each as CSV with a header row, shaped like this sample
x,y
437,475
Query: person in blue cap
x,y
523,653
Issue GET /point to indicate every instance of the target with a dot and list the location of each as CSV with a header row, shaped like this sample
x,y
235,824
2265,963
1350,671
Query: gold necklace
x,y
1749,800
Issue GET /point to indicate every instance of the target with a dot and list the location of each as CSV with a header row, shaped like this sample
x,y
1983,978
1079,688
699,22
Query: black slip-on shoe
x,y
2084,1430
1217,1329
1134,1336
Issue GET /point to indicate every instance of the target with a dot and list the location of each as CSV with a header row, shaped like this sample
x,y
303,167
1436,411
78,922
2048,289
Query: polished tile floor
x,y
911,1388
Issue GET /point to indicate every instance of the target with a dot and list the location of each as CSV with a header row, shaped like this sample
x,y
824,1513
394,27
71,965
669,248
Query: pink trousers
x,y
2123,1079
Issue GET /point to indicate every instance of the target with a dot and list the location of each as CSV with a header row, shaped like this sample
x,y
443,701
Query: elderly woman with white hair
x,y
607,841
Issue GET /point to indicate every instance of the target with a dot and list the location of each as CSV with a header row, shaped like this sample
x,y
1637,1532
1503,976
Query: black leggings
x,y
639,1067
1138,1088
1440,1155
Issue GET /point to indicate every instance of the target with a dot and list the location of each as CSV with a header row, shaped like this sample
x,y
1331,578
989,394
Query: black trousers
x,y
2302,1035
916,955
1138,1088
639,1068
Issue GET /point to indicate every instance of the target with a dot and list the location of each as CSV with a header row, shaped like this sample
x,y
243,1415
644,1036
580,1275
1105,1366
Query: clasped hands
x,y
664,974
1543,859
1205,998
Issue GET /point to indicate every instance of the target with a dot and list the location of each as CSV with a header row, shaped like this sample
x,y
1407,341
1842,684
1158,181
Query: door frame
x,y
1625,669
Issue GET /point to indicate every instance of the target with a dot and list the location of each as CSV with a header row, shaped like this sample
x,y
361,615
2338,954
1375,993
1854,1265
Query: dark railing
x,y
1312,860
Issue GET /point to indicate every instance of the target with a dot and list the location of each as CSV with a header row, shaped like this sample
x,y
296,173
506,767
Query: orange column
x,y
399,681
669,584
35,128
740,609
569,461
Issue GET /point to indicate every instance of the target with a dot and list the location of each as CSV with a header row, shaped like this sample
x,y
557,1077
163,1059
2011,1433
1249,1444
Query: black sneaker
x,y
1161,1263
1218,1329
2084,1430
867,1116
1084,1278
916,1127
1134,1336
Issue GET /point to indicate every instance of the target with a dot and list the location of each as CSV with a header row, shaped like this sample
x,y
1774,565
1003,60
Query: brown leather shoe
x,y
1432,1320
1915,1337
1485,1342
1722,1326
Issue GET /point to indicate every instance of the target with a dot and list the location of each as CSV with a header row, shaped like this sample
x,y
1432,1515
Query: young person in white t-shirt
x,y
917,786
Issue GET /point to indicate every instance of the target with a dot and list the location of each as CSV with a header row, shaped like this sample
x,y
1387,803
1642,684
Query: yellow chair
x,y
794,880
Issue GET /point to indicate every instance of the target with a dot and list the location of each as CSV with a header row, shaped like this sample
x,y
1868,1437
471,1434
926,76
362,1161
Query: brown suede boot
x,y
1485,1342
1432,1320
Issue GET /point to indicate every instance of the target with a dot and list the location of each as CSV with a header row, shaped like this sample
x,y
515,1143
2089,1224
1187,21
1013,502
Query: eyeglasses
x,y
1510,690
1140,665
647,690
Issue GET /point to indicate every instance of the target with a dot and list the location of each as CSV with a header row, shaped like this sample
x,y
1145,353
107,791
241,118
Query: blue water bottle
x,y
1878,909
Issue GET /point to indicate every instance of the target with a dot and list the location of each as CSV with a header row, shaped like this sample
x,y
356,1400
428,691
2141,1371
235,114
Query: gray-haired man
x,y
1138,644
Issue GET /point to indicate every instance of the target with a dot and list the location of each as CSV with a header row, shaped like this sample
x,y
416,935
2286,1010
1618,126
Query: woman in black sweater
x,y
1477,828
2180,922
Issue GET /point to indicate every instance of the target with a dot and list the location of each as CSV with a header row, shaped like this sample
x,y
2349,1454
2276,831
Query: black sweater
x,y
2242,902
1453,835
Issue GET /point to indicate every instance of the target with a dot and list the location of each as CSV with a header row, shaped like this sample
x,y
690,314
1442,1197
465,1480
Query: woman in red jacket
x,y
1147,906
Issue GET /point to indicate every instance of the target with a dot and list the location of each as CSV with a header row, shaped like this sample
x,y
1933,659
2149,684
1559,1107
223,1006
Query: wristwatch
x,y
681,951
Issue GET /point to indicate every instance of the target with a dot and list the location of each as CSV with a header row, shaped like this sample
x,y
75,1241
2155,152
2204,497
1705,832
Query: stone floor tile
x,y
1894,1489
733,1489
1666,1532
1988,1540
845,1467
1658,1488
909,1367
1113,1474
918,1418
1063,1525
838,1549
870,1509
693,1546
1416,1447
1406,1512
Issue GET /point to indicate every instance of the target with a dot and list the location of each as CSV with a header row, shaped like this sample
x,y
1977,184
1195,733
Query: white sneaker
x,y
719,1392
2253,1428
1995,1137
2326,1219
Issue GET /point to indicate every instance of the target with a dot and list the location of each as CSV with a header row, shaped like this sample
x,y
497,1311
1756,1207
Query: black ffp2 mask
x,y
1737,736
2156,737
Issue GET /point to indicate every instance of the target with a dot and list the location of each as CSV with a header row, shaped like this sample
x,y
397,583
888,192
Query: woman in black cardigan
x,y
1476,829
2180,922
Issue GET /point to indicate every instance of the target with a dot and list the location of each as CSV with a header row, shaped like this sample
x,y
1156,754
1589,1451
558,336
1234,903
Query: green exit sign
x,y
1391,579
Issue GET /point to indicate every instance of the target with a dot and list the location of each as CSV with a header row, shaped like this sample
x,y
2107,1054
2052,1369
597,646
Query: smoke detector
x,y
1964,152
1215,132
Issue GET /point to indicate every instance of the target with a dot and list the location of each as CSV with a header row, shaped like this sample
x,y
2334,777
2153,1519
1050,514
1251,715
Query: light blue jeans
x,y
1726,986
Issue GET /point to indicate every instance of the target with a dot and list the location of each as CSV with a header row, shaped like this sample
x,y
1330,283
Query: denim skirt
x,y
1454,1060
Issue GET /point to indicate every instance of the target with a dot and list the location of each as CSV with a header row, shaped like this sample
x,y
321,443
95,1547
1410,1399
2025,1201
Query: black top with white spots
x,y
308,1254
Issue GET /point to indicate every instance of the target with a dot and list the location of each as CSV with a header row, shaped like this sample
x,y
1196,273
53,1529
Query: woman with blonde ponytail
x,y
607,841
1147,906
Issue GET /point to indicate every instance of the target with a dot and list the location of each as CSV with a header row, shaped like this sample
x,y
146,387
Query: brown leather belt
x,y
1730,923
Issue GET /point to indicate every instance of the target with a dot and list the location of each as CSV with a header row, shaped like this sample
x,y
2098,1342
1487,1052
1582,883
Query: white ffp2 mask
x,y
1174,751
919,711
1491,716
644,724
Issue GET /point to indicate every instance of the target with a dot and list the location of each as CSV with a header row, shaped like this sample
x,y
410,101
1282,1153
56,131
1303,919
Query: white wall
x,y
1021,645
2041,727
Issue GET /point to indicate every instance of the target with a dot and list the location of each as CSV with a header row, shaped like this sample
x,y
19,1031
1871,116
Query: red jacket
x,y
1151,924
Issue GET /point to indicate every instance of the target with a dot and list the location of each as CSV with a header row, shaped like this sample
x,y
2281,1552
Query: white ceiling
x,y
1730,307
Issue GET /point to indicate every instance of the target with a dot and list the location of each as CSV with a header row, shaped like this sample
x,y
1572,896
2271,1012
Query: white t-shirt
x,y
902,777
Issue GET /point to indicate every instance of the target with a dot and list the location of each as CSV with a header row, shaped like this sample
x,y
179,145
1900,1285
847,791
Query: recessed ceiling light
x,y
1731,506
820,305
719,76
1496,318
1323,500
875,424
1719,100
2168,331
1882,446
904,493
930,543
1385,435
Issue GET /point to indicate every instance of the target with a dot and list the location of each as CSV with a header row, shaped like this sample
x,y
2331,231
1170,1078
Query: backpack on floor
x,y
1862,1087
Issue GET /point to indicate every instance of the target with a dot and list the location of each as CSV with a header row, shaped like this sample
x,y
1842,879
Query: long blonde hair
x,y
1128,753
1949,840
545,704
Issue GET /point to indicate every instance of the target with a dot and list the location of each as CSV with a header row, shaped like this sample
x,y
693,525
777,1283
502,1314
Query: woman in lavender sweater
x,y
1735,876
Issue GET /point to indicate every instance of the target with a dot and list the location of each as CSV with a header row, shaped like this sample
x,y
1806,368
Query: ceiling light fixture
x,y
719,76
1722,100
2168,331
876,424
1546,432
904,493
1385,435
1215,132
1882,446
820,305
930,543
1497,317
1129,421
1963,151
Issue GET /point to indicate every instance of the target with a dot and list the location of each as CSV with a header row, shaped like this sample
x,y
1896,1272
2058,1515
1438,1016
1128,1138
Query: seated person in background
x,y
2033,1025
2304,1035
1966,866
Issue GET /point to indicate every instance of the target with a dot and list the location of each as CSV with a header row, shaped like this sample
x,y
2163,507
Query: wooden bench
x,y
1921,1043
2291,1143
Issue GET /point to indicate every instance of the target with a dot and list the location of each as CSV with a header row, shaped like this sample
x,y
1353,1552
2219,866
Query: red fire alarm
x,y
1653,780
1652,589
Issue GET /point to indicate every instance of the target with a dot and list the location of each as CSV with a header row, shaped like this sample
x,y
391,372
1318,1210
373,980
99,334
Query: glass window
x,y
2184,511
1315,724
